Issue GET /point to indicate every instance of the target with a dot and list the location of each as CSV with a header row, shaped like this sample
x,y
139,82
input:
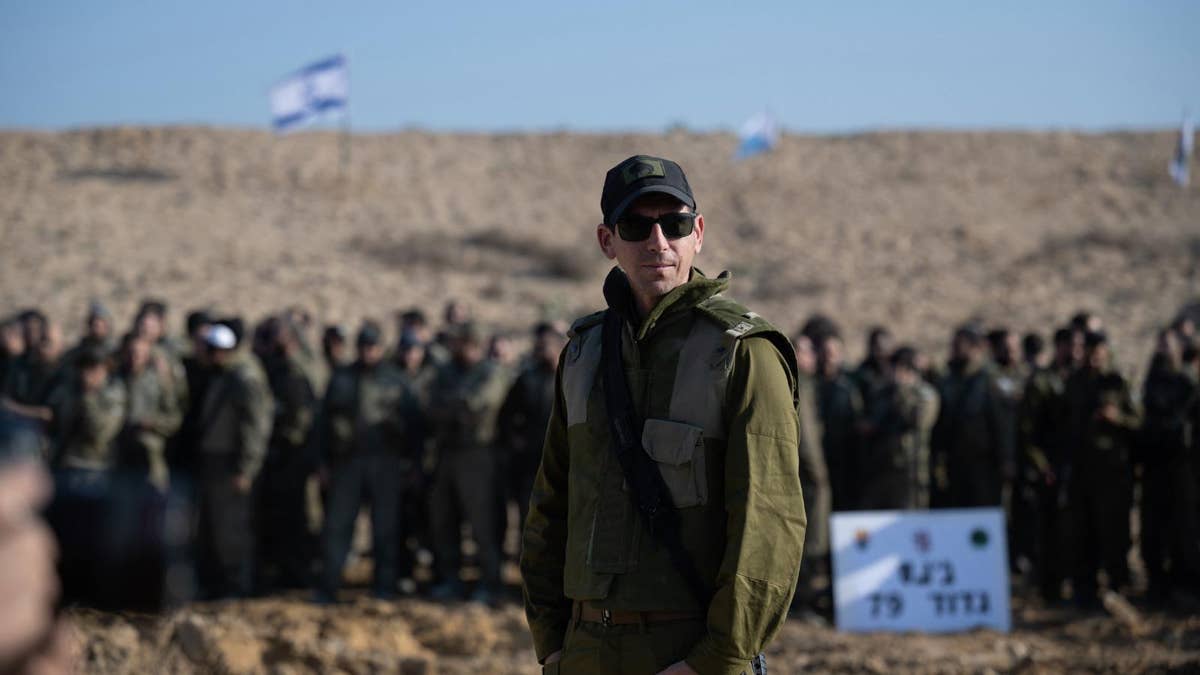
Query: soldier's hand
x,y
554,657
28,582
323,476
681,668
242,483
1109,413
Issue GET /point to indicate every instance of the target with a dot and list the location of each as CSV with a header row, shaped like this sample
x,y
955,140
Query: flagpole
x,y
344,144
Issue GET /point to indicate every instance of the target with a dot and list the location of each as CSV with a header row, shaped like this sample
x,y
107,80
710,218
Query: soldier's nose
x,y
657,241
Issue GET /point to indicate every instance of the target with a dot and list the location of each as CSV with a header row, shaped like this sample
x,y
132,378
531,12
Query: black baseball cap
x,y
640,175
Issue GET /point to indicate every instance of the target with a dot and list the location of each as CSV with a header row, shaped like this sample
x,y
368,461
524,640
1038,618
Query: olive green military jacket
x,y
716,388
235,420
368,410
85,425
464,403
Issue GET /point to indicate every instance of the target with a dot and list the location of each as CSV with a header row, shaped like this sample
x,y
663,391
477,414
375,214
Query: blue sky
x,y
618,64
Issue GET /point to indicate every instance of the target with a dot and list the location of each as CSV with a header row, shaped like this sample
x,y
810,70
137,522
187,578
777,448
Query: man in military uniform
x,y
86,418
873,375
814,477
1169,537
1044,458
1102,420
840,404
464,401
36,374
972,441
613,585
369,421
235,422
285,546
97,332
151,411
894,463
521,424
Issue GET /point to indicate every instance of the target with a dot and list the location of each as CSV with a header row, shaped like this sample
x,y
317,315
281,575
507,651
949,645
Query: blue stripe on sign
x,y
326,104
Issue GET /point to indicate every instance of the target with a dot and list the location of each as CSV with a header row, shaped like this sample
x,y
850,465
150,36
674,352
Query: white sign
x,y
933,571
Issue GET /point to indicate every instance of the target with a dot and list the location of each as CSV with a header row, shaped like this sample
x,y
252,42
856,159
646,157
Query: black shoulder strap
x,y
645,481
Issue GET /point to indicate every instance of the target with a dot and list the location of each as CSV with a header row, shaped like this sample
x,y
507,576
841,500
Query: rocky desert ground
x,y
919,230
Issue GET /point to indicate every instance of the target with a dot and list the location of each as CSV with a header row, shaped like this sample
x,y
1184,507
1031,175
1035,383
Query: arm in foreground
x,y
764,510
544,538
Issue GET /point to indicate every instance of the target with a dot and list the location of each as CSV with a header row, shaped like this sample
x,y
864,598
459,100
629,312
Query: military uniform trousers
x,y
596,649
225,561
285,545
374,477
464,482
1100,500
1170,533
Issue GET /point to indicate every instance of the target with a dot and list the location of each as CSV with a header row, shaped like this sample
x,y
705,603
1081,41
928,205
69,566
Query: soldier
x,y
334,348
36,374
1169,537
971,443
1044,459
894,464
98,332
1033,352
1102,421
872,375
235,422
369,421
814,477
464,401
1010,374
151,411
150,323
87,415
671,544
285,546
840,405
521,424
414,323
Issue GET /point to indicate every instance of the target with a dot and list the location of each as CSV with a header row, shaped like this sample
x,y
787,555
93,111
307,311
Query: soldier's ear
x,y
604,236
699,232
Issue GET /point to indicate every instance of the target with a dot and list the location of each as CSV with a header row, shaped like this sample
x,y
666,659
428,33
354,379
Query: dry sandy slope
x,y
921,229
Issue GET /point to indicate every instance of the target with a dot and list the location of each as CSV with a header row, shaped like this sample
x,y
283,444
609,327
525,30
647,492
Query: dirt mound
x,y
289,636
921,230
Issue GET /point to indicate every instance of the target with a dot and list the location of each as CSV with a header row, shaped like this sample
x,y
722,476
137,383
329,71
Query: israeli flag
x,y
320,89
759,134
1180,167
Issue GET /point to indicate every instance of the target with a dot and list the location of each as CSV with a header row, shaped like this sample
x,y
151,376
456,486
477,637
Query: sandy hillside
x,y
918,229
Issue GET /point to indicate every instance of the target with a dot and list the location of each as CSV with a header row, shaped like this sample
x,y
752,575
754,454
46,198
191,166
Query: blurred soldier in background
x,y
413,322
88,412
334,348
1044,458
464,401
892,460
1170,539
521,423
33,326
814,478
972,441
1008,369
97,333
1102,421
1033,352
36,374
840,406
151,411
872,375
234,425
285,547
369,420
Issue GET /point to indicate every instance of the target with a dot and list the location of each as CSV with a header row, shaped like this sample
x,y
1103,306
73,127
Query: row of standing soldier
x,y
1059,442
414,433
195,463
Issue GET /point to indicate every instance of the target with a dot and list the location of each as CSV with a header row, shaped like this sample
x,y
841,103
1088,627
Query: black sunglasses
x,y
632,227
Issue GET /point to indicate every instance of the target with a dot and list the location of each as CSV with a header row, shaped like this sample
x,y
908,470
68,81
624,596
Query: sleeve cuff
x,y
705,660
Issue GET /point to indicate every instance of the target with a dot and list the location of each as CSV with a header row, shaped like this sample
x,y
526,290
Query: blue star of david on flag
x,y
315,91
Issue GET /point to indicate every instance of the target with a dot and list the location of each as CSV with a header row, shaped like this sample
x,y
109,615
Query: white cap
x,y
220,336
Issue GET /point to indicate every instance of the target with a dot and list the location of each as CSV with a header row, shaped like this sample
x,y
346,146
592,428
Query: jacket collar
x,y
698,288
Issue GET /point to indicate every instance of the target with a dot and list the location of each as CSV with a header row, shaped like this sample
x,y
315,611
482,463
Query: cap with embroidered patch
x,y
640,175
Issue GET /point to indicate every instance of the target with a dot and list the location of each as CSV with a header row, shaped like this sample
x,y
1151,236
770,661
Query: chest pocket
x,y
678,451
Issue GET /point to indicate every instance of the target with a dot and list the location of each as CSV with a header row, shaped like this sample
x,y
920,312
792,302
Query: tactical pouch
x,y
678,449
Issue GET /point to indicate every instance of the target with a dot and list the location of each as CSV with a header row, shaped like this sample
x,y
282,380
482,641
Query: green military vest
x,y
677,371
